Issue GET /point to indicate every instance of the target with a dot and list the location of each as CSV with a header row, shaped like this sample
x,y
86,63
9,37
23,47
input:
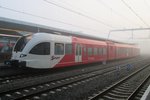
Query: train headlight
x,y
23,55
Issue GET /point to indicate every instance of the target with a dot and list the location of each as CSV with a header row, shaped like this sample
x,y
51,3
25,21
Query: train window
x,y
117,51
95,51
90,51
59,48
100,51
68,48
85,50
104,51
124,51
41,49
80,50
22,43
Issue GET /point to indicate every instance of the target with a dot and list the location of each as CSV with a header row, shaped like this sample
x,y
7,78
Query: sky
x,y
94,17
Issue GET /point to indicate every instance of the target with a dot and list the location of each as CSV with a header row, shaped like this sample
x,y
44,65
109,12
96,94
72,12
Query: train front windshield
x,y
22,43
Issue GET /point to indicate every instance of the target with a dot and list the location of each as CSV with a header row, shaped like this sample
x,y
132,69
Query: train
x,y
44,50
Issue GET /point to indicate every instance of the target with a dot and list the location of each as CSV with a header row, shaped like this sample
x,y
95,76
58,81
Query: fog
x,y
139,37
144,46
94,17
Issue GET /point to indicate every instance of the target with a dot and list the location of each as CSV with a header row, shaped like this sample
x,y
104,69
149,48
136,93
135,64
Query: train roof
x,y
124,45
51,37
88,41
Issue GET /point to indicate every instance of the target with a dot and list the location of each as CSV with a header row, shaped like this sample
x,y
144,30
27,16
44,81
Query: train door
x,y
78,53
39,56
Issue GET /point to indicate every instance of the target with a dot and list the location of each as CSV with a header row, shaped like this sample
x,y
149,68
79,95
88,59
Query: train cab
x,y
40,50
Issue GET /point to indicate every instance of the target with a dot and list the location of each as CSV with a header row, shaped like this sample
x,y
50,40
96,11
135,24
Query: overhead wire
x,y
136,14
106,6
10,9
74,7
147,3
117,13
79,13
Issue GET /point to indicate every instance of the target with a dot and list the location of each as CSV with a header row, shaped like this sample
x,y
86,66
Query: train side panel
x,y
126,51
84,51
92,50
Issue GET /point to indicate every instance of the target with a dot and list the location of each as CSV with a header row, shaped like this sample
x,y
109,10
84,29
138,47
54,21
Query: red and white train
x,y
44,50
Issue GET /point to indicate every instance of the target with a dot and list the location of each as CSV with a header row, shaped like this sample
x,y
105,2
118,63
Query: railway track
x,y
127,88
42,90
15,75
23,75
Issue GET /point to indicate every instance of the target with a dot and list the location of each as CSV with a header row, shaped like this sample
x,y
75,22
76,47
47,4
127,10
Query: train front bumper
x,y
15,63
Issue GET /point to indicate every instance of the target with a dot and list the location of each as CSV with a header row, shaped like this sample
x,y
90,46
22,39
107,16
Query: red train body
x,y
97,51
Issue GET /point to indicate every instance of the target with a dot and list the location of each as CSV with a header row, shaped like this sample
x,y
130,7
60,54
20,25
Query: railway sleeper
x,y
117,95
123,88
137,98
106,97
120,90
121,93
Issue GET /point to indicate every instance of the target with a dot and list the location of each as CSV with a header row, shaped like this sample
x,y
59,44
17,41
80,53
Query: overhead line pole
x,y
132,29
